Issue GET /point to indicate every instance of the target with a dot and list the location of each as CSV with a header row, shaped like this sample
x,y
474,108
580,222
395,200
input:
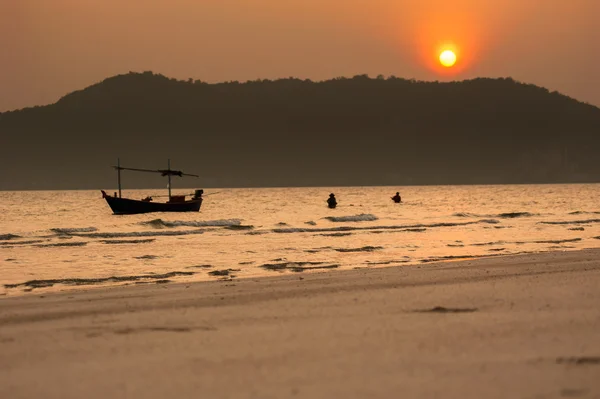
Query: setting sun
x,y
447,58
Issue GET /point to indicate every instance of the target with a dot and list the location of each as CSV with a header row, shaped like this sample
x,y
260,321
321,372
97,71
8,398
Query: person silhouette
x,y
331,201
396,198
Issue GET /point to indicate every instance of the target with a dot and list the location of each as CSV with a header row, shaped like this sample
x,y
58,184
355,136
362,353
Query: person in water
x,y
331,201
396,198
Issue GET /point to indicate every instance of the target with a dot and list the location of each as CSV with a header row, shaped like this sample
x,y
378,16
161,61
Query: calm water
x,y
57,240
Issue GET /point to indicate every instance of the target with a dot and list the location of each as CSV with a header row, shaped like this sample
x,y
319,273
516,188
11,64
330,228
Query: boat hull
x,y
126,206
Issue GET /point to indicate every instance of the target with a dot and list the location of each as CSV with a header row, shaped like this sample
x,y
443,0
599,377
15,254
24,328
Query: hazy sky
x,y
52,47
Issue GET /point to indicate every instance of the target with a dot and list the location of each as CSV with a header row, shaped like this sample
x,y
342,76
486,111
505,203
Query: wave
x,y
505,215
455,257
72,231
6,237
556,241
240,227
368,248
14,243
388,262
138,234
465,215
62,244
363,217
160,223
584,213
89,281
583,221
560,241
147,257
398,227
140,241
512,215
298,266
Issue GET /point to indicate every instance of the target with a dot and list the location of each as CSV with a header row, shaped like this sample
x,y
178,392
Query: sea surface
x,y
61,240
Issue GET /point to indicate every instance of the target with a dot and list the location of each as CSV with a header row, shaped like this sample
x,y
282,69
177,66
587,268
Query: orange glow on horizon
x,y
451,32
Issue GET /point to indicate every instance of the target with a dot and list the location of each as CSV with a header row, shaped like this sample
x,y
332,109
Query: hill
x,y
290,132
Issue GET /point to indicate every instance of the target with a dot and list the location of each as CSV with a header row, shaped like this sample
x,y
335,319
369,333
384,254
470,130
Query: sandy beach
x,y
503,327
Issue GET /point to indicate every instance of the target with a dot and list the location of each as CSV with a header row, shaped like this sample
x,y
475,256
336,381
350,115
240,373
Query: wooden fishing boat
x,y
175,203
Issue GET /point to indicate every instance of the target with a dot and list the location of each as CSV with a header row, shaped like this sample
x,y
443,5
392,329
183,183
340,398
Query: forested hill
x,y
289,132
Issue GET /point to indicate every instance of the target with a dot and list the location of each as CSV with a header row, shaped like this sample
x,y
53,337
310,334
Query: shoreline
x,y
505,326
67,289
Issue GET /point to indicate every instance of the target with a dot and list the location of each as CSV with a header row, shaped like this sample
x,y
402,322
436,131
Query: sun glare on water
x,y
447,58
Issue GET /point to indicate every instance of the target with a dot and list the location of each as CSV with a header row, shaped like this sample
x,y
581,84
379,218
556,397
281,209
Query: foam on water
x,y
363,217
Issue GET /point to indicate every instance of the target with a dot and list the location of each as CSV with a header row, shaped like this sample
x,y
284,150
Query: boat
x,y
174,203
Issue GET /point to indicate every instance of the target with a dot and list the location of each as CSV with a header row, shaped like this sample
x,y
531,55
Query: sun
x,y
447,58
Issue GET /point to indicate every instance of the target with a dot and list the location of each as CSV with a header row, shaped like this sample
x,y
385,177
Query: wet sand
x,y
505,327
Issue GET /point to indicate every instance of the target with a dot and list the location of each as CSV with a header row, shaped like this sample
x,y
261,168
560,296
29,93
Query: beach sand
x,y
505,327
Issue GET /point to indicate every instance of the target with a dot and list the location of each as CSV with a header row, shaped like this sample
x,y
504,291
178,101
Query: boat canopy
x,y
163,172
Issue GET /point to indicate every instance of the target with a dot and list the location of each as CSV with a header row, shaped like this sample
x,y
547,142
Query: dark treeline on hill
x,y
291,132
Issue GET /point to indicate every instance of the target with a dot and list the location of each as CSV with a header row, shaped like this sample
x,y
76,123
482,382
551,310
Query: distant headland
x,y
292,132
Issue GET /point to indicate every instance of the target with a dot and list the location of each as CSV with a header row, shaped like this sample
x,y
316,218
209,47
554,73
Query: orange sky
x,y
52,47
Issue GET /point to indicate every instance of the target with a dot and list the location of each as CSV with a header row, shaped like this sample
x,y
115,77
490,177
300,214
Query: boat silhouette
x,y
175,203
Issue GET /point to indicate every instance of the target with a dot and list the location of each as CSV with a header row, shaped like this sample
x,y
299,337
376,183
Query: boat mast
x,y
169,178
119,175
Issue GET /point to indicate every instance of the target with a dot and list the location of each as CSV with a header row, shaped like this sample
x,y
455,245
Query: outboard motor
x,y
198,194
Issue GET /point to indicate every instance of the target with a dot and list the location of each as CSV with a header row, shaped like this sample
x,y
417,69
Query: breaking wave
x,y
363,217
160,223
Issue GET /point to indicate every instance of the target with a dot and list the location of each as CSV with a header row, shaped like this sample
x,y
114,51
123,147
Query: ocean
x,y
62,240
